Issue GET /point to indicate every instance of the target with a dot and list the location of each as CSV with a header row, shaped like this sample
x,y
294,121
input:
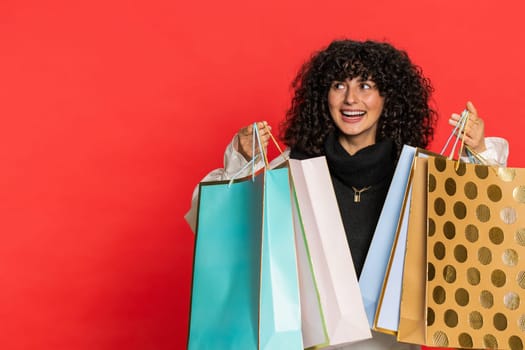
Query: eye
x,y
366,85
338,85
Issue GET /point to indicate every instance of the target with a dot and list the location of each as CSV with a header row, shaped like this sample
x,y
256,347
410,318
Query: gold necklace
x,y
357,193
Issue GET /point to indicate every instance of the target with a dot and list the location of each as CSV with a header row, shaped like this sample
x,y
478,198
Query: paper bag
x,y
245,287
312,320
375,266
339,294
388,309
413,304
475,251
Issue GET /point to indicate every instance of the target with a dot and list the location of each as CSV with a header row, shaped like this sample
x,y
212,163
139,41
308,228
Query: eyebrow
x,y
359,79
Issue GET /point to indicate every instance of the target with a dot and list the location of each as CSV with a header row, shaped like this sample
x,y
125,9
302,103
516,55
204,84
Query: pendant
x,y
357,193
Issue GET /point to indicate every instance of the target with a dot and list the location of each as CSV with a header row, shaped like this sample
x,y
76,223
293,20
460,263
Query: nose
x,y
351,95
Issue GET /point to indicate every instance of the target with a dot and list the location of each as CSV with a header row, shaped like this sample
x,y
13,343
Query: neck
x,y
367,167
353,144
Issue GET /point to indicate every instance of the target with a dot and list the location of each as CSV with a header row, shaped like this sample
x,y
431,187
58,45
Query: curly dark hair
x,y
406,118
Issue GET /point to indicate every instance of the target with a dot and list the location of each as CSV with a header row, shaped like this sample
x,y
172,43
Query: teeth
x,y
353,113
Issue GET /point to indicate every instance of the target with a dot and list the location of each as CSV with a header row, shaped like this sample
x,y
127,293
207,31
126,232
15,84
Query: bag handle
x,y
273,139
458,132
262,153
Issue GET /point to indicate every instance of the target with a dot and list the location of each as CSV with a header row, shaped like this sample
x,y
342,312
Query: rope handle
x,y
256,138
458,132
265,153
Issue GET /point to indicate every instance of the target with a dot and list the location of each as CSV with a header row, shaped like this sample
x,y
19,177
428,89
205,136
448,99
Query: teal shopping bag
x,y
245,291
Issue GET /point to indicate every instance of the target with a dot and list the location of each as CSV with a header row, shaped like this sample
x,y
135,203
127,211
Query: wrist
x,y
237,148
481,147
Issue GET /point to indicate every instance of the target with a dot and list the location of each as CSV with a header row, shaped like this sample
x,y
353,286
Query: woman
x,y
358,103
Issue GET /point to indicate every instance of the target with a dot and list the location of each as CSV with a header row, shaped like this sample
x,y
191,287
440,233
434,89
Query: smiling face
x,y
355,106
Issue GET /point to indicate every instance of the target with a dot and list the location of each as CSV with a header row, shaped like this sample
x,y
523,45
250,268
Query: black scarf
x,y
371,166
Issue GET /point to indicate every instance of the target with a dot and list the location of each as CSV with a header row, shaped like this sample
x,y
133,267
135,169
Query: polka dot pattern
x,y
476,252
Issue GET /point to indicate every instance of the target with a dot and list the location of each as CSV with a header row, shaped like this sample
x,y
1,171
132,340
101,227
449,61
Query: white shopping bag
x,y
312,322
340,298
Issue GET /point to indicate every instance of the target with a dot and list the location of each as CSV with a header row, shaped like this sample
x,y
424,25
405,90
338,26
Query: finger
x,y
473,111
455,116
264,132
471,107
264,128
468,141
265,142
246,130
471,130
475,126
249,129
475,123
262,124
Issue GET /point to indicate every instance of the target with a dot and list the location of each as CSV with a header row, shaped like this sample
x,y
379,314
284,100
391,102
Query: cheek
x,y
332,100
332,105
377,102
380,106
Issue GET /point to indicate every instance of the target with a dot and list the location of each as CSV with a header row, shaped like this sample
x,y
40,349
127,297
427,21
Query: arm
x,y
234,161
236,158
497,151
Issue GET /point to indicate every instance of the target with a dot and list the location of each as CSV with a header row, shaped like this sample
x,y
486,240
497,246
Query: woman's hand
x,y
474,132
245,136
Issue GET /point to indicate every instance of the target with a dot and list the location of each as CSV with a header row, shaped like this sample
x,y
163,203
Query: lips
x,y
352,116
352,113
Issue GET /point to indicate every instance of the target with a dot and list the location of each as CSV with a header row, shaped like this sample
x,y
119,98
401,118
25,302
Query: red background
x,y
112,111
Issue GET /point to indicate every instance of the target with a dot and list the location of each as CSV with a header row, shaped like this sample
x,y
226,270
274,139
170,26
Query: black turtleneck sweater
x,y
371,166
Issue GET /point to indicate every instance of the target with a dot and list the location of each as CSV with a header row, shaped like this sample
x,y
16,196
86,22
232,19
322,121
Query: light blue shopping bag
x,y
374,269
245,292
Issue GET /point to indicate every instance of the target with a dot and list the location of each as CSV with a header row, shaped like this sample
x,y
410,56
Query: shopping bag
x,y
475,249
340,298
375,266
280,316
412,308
387,313
245,286
389,304
312,322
